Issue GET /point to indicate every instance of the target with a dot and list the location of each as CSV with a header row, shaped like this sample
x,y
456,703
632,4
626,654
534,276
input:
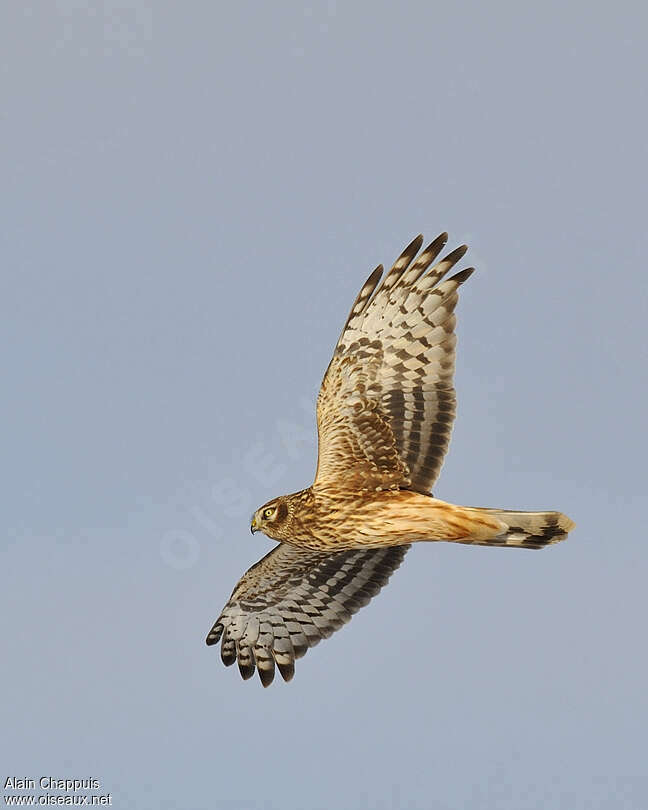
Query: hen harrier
x,y
384,417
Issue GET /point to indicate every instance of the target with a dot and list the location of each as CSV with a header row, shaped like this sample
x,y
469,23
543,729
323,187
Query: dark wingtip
x,y
214,635
287,670
456,254
246,670
412,249
437,244
266,676
228,652
463,275
372,281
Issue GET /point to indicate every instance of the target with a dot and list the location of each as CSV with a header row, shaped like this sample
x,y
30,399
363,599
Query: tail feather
x,y
526,529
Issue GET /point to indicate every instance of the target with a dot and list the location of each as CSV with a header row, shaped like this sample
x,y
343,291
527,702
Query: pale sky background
x,y
192,194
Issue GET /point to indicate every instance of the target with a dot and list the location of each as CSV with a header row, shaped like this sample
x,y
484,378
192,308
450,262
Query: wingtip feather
x,y
454,256
214,635
462,275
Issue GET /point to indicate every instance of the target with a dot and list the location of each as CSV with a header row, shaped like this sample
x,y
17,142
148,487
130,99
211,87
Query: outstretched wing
x,y
293,598
387,402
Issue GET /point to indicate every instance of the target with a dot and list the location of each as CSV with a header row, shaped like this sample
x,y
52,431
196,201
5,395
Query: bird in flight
x,y
384,417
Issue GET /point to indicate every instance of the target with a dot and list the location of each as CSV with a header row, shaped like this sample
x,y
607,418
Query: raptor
x,y
384,416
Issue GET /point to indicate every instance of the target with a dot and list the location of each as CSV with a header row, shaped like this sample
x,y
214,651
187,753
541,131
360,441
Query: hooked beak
x,y
253,525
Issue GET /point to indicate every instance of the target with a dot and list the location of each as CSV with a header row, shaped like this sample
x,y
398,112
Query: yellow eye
x,y
269,512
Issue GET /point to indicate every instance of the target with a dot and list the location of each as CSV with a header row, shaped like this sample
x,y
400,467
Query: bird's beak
x,y
253,525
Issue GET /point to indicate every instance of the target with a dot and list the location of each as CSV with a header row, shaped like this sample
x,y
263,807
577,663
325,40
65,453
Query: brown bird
x,y
384,417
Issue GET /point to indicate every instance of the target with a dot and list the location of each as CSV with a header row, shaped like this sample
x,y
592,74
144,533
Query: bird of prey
x,y
384,417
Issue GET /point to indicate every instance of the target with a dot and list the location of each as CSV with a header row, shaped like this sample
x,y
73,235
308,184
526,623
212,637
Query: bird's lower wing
x,y
292,599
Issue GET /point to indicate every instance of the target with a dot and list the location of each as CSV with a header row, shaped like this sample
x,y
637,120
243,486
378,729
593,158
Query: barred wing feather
x,y
387,402
292,599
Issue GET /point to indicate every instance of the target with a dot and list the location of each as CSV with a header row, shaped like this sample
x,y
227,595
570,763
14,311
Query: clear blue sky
x,y
192,195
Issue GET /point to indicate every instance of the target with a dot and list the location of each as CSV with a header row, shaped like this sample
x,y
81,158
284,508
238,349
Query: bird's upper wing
x,y
387,402
293,598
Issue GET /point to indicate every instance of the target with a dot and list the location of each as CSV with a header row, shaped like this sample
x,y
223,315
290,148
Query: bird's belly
x,y
390,519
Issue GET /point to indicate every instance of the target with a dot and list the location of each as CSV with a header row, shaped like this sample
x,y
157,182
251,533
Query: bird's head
x,y
274,518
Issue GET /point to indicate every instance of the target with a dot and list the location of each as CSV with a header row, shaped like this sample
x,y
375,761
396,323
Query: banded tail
x,y
524,529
